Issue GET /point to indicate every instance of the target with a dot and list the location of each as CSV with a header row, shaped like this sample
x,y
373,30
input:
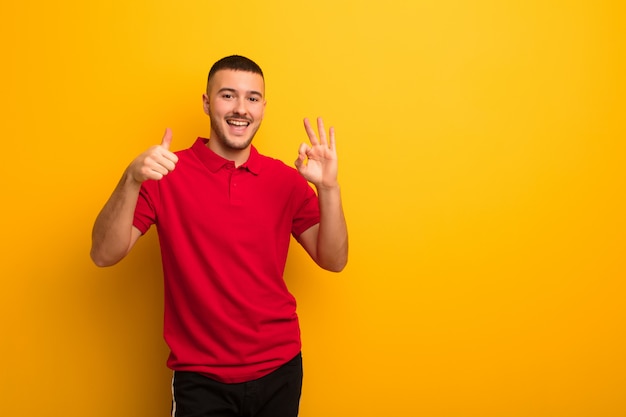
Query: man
x,y
224,214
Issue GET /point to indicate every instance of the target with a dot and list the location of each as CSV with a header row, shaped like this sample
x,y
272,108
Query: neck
x,y
238,156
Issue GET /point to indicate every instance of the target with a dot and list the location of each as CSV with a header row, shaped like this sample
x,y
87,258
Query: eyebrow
x,y
232,90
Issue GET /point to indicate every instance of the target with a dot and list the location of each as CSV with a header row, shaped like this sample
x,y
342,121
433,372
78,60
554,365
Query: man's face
x,y
235,103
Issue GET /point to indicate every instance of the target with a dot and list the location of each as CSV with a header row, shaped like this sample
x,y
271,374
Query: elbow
x,y
333,260
336,265
100,263
335,268
101,260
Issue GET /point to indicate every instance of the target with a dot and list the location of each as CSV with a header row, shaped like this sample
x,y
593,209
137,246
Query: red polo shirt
x,y
224,234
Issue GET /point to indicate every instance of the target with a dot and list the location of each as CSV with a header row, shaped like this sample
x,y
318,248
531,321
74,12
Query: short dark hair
x,y
236,63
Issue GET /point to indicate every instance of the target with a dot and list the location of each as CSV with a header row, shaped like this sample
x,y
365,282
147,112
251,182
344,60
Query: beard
x,y
224,140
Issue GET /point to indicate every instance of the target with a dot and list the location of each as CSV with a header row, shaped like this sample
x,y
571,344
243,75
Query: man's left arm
x,y
326,242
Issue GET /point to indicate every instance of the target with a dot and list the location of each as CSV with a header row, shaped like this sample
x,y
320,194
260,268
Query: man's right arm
x,y
113,234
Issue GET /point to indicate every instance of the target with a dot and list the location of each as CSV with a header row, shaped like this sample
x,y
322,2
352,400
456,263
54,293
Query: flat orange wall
x,y
483,156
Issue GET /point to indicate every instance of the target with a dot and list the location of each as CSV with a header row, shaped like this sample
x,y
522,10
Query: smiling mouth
x,y
238,122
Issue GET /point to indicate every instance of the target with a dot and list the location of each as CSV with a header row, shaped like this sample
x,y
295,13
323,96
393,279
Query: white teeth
x,y
237,123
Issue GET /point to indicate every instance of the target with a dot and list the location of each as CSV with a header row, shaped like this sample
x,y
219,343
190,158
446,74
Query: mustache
x,y
237,116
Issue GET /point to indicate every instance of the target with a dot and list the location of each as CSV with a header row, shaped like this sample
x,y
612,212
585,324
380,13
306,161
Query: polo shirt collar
x,y
214,162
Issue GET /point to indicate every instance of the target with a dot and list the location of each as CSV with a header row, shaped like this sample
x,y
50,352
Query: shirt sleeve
x,y
145,211
307,212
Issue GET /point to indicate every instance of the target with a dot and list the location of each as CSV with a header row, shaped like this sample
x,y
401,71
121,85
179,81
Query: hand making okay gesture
x,y
318,162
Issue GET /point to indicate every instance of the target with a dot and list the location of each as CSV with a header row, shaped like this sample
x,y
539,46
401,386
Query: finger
x,y
167,138
170,156
321,130
152,172
159,170
302,150
331,133
166,162
165,143
299,162
310,132
159,157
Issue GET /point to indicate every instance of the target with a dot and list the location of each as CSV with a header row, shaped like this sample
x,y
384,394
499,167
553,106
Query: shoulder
x,y
184,153
272,163
268,163
195,150
279,170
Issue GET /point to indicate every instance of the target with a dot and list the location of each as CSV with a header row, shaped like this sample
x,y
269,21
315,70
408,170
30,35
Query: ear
x,y
205,103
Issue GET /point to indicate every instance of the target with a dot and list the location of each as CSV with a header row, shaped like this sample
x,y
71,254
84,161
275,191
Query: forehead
x,y
241,81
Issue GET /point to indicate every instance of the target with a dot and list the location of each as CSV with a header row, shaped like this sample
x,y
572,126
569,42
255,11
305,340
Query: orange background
x,y
482,165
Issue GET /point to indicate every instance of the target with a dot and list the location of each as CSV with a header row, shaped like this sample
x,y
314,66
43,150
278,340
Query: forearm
x,y
112,230
332,239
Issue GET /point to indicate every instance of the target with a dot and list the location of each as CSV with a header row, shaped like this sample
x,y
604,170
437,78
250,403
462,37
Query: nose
x,y
240,106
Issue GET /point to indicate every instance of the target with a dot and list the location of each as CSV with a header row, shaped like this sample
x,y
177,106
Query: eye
x,y
227,96
253,99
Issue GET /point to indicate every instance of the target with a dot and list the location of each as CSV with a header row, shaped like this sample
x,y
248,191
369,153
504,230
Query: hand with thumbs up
x,y
154,163
113,232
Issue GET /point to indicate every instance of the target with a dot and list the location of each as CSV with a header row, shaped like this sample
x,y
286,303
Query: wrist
x,y
327,187
129,179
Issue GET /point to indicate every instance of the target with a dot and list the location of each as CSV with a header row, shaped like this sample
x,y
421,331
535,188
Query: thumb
x,y
167,139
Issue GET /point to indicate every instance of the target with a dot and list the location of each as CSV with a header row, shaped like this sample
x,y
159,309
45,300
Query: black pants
x,y
274,395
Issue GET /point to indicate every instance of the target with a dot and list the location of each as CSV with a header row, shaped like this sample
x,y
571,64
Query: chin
x,y
239,145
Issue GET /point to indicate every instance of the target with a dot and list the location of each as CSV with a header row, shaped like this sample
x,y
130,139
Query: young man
x,y
224,214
